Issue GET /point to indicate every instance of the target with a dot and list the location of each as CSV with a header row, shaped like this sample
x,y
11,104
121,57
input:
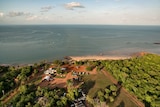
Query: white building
x,y
48,78
50,71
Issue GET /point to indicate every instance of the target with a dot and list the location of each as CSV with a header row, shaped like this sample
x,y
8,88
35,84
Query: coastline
x,y
80,58
107,57
88,57
96,57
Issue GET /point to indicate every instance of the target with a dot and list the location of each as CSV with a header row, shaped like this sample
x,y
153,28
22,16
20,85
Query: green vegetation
x,y
139,75
13,77
92,83
4,69
19,88
91,65
58,62
108,94
32,96
70,82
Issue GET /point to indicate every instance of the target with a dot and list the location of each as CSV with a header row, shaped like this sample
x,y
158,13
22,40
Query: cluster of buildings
x,y
79,102
50,72
80,73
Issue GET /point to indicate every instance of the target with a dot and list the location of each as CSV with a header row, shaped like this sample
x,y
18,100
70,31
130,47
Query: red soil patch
x,y
61,82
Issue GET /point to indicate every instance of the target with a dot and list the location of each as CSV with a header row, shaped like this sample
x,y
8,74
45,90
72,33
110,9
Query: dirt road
x,y
132,97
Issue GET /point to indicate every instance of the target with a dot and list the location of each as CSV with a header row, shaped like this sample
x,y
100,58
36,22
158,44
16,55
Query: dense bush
x,y
139,75
32,96
14,76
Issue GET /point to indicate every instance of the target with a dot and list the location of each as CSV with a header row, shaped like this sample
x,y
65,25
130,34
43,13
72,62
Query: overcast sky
x,y
123,12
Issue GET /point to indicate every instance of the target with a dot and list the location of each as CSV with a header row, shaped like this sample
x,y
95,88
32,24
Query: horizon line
x,y
80,24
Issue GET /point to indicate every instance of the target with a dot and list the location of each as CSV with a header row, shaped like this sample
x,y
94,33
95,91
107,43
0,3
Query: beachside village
x,y
84,83
64,76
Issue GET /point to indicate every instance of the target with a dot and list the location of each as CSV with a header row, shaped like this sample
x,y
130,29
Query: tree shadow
x,y
88,85
122,104
147,104
119,86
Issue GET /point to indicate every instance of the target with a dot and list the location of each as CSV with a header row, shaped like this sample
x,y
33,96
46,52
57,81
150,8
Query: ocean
x,y
25,44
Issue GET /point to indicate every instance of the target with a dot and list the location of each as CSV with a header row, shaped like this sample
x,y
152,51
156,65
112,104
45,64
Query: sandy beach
x,y
79,58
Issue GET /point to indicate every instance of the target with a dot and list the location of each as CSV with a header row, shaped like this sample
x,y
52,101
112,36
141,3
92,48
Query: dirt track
x,y
132,97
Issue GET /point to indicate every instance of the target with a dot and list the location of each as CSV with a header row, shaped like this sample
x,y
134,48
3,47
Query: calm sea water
x,y
29,44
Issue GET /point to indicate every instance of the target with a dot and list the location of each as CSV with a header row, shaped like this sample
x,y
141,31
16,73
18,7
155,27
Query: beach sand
x,y
79,58
105,57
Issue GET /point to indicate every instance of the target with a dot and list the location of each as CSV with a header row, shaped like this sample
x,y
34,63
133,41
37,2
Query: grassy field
x,y
92,83
122,101
95,82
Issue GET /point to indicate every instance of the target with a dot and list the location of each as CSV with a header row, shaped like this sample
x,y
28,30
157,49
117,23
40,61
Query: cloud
x,y
15,14
37,18
1,14
33,17
46,8
73,5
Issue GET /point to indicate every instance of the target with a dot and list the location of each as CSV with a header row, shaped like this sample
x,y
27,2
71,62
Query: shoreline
x,y
88,57
109,57
98,57
79,58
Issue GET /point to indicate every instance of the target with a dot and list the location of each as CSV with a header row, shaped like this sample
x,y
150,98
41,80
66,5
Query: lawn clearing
x,y
92,83
123,101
